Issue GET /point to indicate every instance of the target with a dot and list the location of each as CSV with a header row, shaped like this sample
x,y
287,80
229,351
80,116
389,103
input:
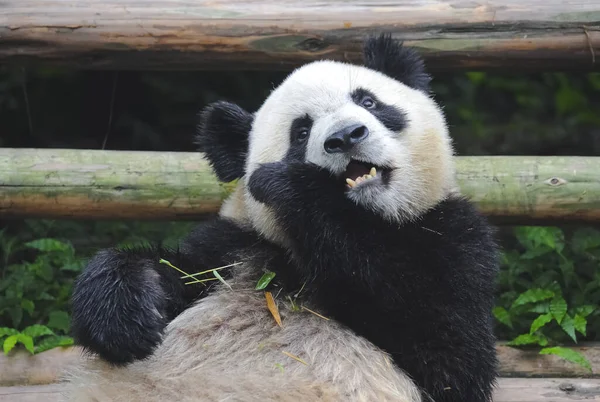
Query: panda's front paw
x,y
277,182
267,181
117,303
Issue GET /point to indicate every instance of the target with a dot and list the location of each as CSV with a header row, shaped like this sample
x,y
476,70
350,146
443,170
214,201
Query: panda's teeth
x,y
373,172
351,182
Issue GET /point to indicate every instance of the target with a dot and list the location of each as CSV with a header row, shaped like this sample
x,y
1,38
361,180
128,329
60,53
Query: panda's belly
x,y
228,347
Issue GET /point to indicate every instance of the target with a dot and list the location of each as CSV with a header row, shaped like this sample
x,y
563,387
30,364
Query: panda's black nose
x,y
345,139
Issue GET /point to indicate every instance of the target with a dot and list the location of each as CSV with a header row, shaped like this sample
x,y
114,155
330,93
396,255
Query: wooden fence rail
x,y
64,183
280,34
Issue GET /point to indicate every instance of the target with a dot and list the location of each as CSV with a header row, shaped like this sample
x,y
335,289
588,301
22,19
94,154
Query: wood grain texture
x,y
94,184
282,34
21,368
547,390
529,363
509,390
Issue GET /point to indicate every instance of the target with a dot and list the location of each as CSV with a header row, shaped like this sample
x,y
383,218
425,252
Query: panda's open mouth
x,y
359,173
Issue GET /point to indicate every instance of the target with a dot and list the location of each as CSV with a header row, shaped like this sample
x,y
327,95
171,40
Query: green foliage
x,y
37,270
550,290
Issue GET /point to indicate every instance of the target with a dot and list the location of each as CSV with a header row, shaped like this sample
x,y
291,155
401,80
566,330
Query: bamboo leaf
x,y
264,280
272,306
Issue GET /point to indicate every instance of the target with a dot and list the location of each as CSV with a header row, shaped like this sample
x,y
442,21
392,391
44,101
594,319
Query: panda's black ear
x,y
390,57
222,134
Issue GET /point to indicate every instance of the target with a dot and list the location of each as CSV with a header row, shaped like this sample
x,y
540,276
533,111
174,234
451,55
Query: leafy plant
x,y
37,271
35,338
550,290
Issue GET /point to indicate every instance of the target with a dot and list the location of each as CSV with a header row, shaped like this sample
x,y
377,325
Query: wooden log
x,y
32,393
547,390
282,34
529,363
508,390
21,368
94,184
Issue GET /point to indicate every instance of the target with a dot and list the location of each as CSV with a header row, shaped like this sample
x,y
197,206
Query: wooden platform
x,y
509,390
526,376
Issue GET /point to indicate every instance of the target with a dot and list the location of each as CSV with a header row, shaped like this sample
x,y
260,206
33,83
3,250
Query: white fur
x,y
420,155
228,347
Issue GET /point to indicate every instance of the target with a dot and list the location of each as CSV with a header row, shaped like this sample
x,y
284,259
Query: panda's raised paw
x,y
117,303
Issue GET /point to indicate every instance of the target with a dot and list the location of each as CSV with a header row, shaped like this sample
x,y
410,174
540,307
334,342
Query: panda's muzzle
x,y
344,140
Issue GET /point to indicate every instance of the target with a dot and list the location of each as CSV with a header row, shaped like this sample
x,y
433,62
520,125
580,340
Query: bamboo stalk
x,y
94,184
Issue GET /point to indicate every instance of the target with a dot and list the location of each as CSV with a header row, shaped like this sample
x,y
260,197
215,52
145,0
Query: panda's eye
x,y
302,134
368,102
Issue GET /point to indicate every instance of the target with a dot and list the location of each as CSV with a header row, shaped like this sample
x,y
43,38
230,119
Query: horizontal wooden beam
x,y
21,368
24,377
282,34
508,390
94,184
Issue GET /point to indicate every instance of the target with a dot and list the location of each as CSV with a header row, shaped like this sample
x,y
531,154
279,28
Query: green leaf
x,y
26,341
59,320
9,343
568,325
558,308
568,354
28,306
528,339
502,316
48,244
264,280
45,296
532,296
585,310
580,324
540,322
540,308
53,342
35,331
220,278
7,331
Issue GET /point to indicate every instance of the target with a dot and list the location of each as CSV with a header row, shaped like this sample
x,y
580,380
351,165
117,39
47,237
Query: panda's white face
x,y
350,119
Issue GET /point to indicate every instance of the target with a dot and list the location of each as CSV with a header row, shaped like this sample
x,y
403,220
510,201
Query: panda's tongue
x,y
356,169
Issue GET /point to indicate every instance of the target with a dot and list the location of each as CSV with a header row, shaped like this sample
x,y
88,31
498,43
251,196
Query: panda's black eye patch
x,y
390,116
299,133
368,102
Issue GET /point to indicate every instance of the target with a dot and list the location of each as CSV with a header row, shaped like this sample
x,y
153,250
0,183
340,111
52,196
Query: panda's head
x,y
356,121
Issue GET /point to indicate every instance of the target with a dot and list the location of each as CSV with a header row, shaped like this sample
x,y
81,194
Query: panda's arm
x,y
124,298
378,278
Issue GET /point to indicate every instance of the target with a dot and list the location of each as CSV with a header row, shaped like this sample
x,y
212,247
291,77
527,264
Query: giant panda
x,y
384,273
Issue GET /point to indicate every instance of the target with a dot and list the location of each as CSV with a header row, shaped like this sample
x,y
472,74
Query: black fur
x,y
390,116
423,291
124,298
388,56
299,134
222,134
